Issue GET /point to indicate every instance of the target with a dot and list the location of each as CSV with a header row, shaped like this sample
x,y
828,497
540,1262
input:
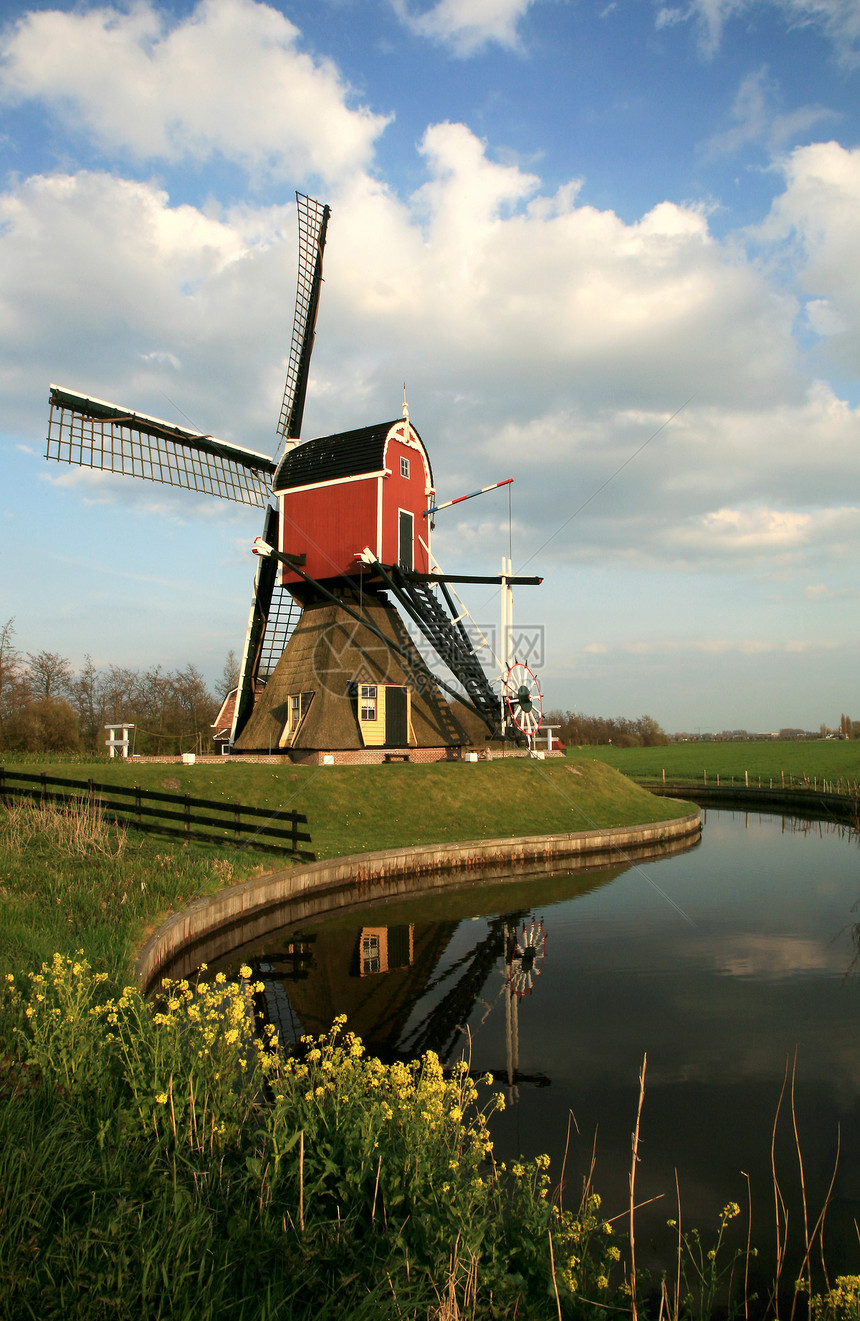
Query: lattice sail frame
x,y
313,222
92,433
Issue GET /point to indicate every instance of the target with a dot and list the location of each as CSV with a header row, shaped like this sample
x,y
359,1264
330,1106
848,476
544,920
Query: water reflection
x,y
407,987
735,955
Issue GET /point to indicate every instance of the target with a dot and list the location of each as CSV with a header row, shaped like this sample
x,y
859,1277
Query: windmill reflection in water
x,y
381,976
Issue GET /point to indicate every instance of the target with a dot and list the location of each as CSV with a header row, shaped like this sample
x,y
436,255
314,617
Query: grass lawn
x,y
821,759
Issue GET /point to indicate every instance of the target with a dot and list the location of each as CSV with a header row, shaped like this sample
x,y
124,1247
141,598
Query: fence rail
x,y
190,818
818,797
842,785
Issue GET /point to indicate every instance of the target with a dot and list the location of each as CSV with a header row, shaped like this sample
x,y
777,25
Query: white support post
x,y
115,742
503,642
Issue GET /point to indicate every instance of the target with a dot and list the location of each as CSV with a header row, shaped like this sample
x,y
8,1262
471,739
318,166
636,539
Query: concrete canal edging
x,y
244,911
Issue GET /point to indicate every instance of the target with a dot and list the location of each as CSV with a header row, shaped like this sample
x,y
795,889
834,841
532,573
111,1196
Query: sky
x,y
612,250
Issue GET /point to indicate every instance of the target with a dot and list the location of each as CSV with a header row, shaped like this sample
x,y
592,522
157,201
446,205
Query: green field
x,y
831,760
355,809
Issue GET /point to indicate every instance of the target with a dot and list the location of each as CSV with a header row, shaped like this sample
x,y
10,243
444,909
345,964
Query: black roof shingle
x,y
331,458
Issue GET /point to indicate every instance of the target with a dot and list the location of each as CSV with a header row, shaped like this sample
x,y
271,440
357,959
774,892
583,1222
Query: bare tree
x,y
11,675
120,693
48,674
229,675
87,695
197,706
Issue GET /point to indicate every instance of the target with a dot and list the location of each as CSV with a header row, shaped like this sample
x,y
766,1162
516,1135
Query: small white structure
x,y
118,741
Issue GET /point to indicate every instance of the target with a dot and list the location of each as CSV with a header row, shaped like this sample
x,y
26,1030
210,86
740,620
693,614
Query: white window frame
x,y
371,954
368,702
404,466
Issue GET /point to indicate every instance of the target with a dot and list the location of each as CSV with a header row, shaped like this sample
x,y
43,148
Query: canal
x,y
726,966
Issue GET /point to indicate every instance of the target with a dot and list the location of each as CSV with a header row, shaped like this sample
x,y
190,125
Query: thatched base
x,y
329,656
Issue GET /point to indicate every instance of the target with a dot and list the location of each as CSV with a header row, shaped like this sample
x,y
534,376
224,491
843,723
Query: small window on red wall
x,y
404,467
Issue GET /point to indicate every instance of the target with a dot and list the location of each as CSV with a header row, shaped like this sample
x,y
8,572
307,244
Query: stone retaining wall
x,y
208,927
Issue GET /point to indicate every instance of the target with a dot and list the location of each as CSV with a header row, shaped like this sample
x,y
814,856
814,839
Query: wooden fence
x,y
823,799
182,815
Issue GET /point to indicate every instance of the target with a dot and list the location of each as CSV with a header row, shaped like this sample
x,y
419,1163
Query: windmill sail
x,y
92,433
313,222
274,613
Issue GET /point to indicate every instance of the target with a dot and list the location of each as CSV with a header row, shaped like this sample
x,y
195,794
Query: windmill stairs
x,y
449,638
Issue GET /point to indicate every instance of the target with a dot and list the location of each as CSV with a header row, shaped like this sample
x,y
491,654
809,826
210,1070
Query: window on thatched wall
x,y
299,704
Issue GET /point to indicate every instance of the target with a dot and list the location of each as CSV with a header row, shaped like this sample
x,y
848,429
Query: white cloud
x,y
105,284
466,25
815,221
778,534
823,592
227,82
756,118
537,335
838,19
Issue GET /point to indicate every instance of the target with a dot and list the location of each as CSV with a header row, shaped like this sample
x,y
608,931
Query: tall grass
x,y
70,878
167,1160
163,1160
75,828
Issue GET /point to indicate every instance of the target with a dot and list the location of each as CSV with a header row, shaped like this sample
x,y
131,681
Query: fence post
x,y
137,798
237,822
44,788
187,817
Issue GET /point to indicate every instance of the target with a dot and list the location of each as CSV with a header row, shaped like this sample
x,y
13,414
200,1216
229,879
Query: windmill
x,y
328,663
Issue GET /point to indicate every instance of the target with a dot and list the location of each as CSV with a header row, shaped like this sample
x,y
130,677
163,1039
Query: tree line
x,y
578,730
47,706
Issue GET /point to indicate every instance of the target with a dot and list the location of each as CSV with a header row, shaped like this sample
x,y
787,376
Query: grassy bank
x,y
158,1162
832,760
59,896
164,1162
352,809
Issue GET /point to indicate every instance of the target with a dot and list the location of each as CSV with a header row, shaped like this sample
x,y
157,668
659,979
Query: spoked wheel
x,y
526,961
523,698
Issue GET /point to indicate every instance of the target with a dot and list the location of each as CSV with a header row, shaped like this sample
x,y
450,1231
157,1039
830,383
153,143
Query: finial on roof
x,y
405,407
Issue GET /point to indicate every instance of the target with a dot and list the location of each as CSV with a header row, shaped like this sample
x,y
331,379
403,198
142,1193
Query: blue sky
x,y
611,249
